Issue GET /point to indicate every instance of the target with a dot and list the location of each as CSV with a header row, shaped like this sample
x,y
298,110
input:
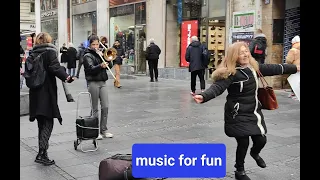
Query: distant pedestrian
x,y
258,47
152,56
293,56
72,60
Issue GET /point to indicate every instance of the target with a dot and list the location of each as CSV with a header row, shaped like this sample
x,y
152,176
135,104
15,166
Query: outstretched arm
x,y
216,89
277,69
55,67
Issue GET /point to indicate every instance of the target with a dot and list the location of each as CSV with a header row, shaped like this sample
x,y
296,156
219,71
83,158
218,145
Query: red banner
x,y
188,29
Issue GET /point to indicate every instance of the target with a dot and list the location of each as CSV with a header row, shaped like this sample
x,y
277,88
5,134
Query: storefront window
x,y
51,26
75,2
83,25
122,26
46,5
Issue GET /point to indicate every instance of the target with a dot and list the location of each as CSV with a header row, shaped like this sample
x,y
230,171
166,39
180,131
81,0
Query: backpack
x,y
205,56
35,73
258,50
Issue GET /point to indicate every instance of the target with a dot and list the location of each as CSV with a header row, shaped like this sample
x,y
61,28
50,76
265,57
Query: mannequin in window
x,y
130,41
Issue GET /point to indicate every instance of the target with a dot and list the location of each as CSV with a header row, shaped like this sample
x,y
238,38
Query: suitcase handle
x,y
77,111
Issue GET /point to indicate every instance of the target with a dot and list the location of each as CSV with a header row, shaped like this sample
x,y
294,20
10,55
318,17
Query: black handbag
x,y
87,127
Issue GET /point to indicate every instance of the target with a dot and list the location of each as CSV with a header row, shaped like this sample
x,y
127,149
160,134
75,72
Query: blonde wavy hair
x,y
228,65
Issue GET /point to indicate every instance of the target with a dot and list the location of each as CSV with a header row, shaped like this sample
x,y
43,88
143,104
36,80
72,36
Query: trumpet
x,y
110,53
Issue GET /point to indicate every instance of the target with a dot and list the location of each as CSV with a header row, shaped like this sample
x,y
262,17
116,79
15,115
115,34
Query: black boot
x,y
42,158
240,173
260,162
151,80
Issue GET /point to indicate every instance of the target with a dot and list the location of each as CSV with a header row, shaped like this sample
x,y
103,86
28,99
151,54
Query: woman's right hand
x,y
198,99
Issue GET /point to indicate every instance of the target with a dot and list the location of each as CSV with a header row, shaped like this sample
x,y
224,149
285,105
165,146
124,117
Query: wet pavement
x,y
145,112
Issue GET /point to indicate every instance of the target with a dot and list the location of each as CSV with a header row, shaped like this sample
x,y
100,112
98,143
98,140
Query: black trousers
x,y
200,74
45,126
153,67
259,142
79,67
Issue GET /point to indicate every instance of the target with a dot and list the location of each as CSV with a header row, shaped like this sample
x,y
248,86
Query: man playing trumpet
x,y
96,76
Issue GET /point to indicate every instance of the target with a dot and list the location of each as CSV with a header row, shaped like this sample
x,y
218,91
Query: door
x,y
140,49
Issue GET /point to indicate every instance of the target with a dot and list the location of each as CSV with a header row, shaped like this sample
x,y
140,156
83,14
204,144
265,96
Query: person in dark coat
x,y
196,64
96,76
43,101
72,60
80,55
152,56
104,41
258,47
118,62
64,55
242,115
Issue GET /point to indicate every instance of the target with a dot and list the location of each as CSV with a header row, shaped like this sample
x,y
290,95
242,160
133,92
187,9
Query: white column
x,y
156,26
103,19
62,23
258,14
37,15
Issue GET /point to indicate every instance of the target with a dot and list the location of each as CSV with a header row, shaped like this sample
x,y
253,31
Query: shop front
x,y
84,20
202,18
49,18
128,25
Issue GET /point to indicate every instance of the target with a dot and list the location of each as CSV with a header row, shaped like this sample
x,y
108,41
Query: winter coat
x,y
72,58
80,53
92,66
64,55
152,52
194,56
44,101
293,56
242,111
120,52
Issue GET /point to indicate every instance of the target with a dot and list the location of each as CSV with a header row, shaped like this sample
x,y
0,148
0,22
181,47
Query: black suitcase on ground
x,y
87,127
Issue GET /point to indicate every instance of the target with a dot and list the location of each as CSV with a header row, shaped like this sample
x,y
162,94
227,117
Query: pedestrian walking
x,y
152,56
258,47
243,116
118,62
72,60
293,57
43,103
198,62
96,76
80,54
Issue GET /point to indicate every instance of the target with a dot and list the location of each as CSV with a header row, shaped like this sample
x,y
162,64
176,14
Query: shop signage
x,y
242,36
243,21
122,10
188,29
120,2
27,26
48,14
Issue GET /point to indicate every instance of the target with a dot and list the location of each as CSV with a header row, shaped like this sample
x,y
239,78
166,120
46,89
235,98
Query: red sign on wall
x,y
188,29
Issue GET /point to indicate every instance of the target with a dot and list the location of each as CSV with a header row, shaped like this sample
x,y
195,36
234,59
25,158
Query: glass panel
x,y
51,27
140,48
83,25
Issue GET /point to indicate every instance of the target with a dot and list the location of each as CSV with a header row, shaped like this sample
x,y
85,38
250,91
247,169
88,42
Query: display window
x,y
83,25
46,5
51,26
75,2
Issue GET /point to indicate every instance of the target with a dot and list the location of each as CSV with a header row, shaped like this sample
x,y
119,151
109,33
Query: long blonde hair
x,y
228,65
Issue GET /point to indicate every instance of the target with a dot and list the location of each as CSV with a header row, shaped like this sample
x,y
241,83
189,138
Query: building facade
x,y
217,23
27,21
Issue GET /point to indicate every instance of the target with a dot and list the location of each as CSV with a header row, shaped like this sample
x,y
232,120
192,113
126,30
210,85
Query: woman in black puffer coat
x,y
243,116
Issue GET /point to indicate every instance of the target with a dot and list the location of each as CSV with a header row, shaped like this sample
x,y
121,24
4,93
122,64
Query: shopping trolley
x,y
87,127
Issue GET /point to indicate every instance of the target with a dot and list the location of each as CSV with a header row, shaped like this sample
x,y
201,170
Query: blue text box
x,y
179,160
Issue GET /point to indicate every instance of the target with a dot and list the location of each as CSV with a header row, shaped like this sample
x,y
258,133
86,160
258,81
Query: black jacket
x,y
194,56
72,57
44,101
21,53
64,55
120,52
152,52
80,53
242,111
92,66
